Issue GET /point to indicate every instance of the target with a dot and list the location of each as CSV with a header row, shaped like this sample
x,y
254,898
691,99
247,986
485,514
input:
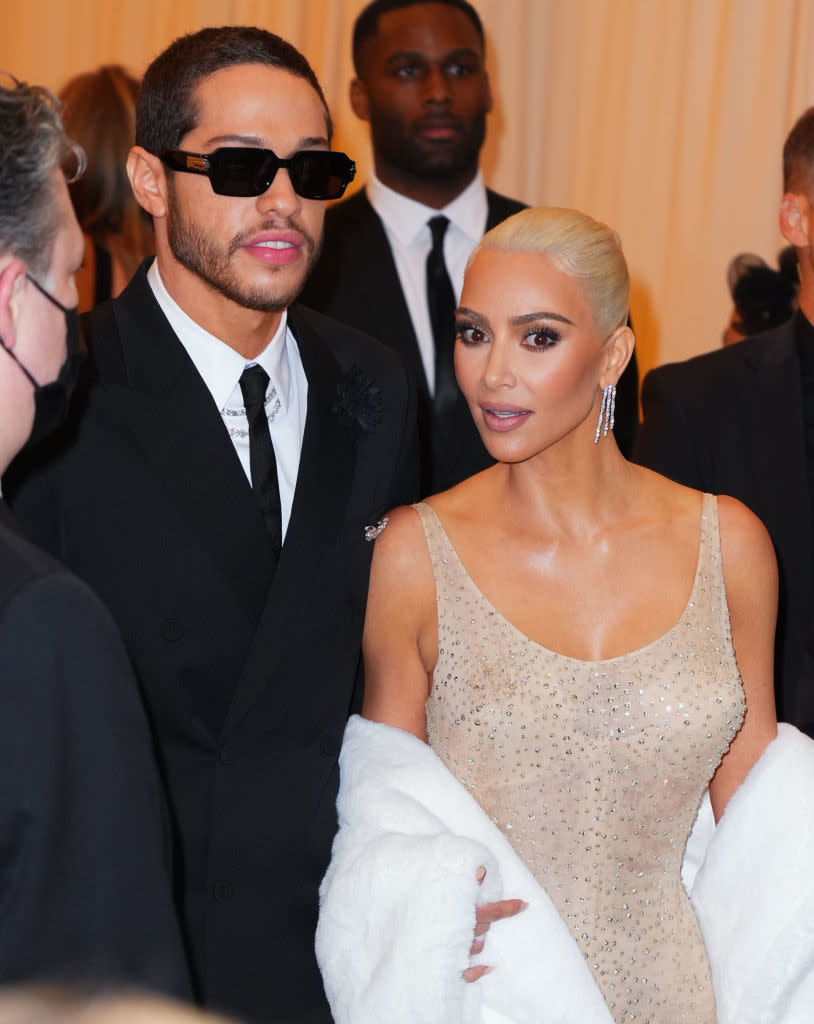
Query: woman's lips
x,y
503,418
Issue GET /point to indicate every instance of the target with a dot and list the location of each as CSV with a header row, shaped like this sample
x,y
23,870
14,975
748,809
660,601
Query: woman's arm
x,y
750,576
400,647
400,642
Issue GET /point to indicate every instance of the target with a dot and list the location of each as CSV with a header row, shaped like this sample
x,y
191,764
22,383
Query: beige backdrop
x,y
664,118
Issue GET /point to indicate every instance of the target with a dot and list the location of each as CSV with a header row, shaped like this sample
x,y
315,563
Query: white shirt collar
x,y
407,219
219,365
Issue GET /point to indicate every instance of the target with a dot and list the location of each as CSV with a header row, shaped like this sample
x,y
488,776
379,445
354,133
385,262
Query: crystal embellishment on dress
x,y
372,532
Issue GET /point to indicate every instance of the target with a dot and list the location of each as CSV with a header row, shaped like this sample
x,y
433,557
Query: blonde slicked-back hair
x,y
576,245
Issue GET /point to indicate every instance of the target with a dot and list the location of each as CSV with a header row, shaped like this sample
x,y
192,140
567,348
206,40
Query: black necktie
x,y
441,304
253,383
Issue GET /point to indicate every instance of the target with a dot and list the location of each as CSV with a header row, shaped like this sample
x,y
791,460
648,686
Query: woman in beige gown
x,y
587,645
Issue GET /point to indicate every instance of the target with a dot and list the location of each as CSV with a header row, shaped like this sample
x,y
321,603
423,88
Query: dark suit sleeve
x,y
406,478
666,439
85,889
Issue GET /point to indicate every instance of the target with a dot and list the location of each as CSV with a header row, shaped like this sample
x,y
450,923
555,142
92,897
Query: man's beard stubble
x,y
205,257
409,154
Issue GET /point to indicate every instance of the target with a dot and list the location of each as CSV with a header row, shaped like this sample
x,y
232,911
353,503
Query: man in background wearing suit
x,y
220,489
394,255
85,893
740,421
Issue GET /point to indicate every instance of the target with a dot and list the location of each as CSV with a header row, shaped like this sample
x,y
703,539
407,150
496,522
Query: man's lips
x,y
275,247
502,418
438,128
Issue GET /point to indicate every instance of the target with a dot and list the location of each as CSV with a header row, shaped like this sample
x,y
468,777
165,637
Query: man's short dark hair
x,y
167,110
366,25
798,155
32,146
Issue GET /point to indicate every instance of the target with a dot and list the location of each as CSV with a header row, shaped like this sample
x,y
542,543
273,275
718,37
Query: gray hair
x,y
32,145
576,245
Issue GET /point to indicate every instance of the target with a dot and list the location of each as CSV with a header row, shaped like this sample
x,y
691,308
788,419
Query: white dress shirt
x,y
221,367
405,224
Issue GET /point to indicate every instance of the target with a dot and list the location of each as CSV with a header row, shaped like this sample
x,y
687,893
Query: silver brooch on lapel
x,y
372,532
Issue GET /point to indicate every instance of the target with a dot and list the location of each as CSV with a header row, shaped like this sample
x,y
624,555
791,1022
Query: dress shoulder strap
x,y
710,576
451,579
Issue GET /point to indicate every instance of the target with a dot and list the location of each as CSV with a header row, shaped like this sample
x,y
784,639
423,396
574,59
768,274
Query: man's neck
x,y
435,193
247,331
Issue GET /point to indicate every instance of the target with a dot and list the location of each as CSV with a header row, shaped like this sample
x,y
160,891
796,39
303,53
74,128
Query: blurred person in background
x,y
762,297
740,421
100,114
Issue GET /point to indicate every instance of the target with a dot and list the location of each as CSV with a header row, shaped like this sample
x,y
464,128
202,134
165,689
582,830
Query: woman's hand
x,y
485,915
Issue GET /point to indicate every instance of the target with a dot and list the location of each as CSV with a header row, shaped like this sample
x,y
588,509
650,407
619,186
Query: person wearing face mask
x,y
84,874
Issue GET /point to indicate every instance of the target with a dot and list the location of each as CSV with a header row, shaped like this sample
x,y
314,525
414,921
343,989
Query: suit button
x,y
223,891
328,746
172,630
225,757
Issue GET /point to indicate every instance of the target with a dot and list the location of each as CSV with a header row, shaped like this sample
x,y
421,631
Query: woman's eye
x,y
470,335
542,338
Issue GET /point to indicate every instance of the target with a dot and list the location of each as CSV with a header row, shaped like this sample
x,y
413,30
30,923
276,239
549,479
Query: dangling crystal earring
x,y
607,412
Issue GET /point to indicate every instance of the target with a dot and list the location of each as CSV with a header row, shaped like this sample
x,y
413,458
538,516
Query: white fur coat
x,y
398,901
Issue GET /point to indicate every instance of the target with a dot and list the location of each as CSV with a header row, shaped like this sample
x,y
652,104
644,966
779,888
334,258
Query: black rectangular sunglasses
x,y
243,171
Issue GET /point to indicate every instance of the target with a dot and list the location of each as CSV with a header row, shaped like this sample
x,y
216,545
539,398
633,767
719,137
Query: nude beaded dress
x,y
594,771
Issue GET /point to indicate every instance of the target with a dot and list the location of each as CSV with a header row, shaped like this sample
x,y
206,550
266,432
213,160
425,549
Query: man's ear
x,y
618,350
148,180
359,99
794,219
12,286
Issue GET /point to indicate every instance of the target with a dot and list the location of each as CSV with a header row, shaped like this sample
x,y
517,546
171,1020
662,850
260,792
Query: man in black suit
x,y
85,894
220,488
422,85
740,421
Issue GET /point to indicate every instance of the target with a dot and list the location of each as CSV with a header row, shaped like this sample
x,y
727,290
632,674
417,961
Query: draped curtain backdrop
x,y
664,118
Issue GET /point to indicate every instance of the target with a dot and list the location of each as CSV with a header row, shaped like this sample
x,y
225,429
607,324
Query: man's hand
x,y
484,916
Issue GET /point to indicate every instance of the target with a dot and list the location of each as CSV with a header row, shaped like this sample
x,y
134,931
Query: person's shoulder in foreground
x,y
84,874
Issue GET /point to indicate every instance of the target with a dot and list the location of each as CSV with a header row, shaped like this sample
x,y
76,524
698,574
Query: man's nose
x,y
280,196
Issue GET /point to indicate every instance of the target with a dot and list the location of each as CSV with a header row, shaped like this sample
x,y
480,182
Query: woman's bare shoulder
x,y
745,542
401,552
402,537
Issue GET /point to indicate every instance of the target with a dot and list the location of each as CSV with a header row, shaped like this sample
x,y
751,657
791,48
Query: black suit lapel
x,y
499,208
778,454
780,485
182,440
385,292
320,503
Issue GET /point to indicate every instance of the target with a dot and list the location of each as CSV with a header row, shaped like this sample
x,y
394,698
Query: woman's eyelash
x,y
550,336
464,331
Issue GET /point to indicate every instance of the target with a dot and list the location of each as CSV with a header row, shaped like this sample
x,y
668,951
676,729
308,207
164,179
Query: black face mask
x,y
51,400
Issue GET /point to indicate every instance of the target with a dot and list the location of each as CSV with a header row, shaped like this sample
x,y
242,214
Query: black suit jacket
x,y
248,681
85,891
730,422
356,281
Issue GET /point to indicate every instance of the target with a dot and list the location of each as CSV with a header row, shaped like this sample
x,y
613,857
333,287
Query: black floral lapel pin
x,y
360,399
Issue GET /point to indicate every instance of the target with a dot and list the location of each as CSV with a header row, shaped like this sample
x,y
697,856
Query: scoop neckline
x,y
705,510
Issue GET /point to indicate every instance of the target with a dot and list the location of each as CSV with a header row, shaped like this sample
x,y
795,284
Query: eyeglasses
x,y
243,171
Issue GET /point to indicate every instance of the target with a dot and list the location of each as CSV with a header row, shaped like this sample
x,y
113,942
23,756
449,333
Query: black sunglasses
x,y
242,171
